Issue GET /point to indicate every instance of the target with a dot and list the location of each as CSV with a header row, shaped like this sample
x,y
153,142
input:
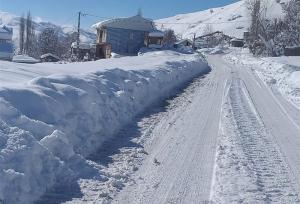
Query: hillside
x,y
232,19
13,21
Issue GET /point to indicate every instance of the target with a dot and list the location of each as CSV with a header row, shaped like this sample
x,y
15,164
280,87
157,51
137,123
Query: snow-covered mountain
x,y
13,21
232,19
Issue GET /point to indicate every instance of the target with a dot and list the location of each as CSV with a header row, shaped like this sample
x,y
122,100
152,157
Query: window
x,y
5,41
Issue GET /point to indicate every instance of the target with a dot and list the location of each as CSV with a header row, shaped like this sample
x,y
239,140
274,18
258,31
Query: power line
x,y
204,23
172,23
100,17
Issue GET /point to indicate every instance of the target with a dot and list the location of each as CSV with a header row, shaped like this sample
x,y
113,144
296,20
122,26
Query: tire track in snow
x,y
185,152
250,167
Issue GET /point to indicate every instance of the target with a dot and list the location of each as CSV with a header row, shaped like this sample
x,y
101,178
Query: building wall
x,y
6,49
292,51
125,41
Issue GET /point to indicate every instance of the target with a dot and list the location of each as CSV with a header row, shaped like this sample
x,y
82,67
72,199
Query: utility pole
x,y
78,34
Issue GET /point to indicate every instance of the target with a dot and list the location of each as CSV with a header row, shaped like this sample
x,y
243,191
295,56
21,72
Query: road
x,y
236,141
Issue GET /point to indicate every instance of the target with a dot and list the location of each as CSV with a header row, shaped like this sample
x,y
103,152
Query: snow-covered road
x,y
237,141
256,157
228,137
179,167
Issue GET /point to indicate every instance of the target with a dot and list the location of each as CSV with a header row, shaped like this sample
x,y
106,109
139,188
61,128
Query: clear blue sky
x,y
64,11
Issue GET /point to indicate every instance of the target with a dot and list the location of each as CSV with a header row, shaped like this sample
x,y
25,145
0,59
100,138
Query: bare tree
x,y
254,6
29,33
48,41
22,34
169,37
292,22
208,29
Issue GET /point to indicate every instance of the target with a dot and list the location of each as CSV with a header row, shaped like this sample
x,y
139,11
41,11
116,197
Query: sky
x,y
65,12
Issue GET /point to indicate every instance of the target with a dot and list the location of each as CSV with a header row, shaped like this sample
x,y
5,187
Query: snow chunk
x,y
59,145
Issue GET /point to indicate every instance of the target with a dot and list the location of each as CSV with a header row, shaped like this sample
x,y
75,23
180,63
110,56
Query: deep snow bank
x,y
50,123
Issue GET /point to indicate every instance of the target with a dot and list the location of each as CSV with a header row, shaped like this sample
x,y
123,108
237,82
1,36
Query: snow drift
x,y
48,124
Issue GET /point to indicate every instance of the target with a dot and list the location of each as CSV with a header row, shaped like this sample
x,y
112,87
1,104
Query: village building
x,y
84,52
6,44
212,40
292,51
127,36
237,42
155,39
183,42
49,58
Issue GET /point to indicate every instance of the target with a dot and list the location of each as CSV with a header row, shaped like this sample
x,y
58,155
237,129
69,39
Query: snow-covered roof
x,y
5,29
84,46
183,41
49,55
156,33
236,40
6,33
131,23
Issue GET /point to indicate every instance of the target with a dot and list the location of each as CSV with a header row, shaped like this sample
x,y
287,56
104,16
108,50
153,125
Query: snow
x,y
179,142
257,149
11,20
6,33
232,20
85,46
132,23
49,55
248,156
24,59
156,34
52,116
279,72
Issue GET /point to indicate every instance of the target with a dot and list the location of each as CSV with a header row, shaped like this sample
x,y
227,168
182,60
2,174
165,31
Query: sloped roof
x,y
5,29
6,33
156,33
183,40
132,23
49,55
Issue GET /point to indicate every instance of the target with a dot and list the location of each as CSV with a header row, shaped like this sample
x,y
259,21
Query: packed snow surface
x,y
24,59
54,115
235,141
281,73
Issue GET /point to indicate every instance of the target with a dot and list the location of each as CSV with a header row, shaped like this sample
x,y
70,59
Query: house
x,y
184,42
292,51
49,58
85,51
155,39
6,44
237,42
125,35
247,36
212,40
